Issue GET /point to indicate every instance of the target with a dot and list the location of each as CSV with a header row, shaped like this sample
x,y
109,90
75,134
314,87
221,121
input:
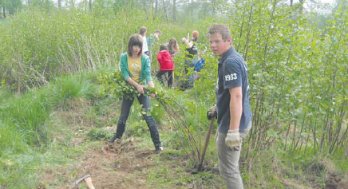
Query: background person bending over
x,y
166,65
191,58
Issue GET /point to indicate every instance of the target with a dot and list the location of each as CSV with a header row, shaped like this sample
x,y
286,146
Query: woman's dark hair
x,y
172,43
135,40
173,46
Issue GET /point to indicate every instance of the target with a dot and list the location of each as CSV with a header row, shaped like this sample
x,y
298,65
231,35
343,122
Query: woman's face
x,y
136,50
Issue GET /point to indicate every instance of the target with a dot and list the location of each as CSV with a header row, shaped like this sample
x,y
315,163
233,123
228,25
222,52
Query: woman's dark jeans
x,y
127,102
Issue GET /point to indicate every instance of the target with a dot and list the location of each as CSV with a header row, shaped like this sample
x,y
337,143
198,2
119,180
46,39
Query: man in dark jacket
x,y
232,107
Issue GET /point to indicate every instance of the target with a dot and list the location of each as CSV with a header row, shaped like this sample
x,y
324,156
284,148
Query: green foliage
x,y
17,171
162,176
99,134
185,111
10,140
42,4
23,126
339,158
297,74
12,6
73,87
290,62
69,41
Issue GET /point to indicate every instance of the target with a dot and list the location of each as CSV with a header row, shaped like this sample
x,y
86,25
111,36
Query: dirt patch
x,y
291,183
123,166
335,181
112,168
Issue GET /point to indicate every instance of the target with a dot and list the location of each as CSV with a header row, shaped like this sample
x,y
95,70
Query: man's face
x,y
219,45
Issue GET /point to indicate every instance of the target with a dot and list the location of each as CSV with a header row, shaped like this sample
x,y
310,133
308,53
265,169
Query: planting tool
x,y
87,178
200,165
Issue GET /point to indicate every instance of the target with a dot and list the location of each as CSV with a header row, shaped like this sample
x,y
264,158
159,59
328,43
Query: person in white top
x,y
142,32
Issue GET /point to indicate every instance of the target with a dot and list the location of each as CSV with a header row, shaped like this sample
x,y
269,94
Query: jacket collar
x,y
226,54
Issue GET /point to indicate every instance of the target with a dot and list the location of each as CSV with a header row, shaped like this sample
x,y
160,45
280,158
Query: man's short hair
x,y
142,30
157,31
221,29
135,40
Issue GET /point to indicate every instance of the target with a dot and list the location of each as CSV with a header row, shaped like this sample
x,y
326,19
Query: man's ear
x,y
229,39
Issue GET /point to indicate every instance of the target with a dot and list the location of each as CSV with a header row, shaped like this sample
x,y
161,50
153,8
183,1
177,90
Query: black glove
x,y
212,113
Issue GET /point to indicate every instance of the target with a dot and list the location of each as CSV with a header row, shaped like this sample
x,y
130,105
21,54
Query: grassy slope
x,y
88,124
78,126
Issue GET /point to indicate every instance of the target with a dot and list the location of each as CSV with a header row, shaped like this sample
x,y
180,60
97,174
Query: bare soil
x,y
126,165
122,166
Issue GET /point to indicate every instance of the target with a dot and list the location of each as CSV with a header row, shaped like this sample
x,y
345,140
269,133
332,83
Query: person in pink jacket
x,y
166,64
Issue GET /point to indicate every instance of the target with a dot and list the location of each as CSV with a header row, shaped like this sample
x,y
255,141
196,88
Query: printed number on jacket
x,y
231,77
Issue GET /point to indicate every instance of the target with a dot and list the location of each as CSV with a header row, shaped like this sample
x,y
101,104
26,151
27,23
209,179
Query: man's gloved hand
x,y
233,139
212,113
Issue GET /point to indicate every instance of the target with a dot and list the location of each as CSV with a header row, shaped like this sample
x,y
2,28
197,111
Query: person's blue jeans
x,y
127,102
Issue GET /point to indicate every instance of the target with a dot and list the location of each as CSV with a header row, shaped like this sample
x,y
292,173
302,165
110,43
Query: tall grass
x,y
38,46
24,130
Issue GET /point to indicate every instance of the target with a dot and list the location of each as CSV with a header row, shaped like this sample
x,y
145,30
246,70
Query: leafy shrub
x,y
99,134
